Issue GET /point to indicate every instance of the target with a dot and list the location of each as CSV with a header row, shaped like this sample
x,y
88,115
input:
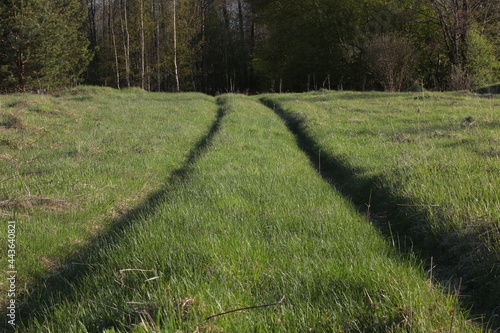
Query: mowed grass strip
x,y
425,165
74,163
250,223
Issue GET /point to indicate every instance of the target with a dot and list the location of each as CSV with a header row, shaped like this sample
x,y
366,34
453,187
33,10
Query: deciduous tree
x,y
456,19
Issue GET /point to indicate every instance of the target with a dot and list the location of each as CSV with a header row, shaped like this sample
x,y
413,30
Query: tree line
x,y
217,46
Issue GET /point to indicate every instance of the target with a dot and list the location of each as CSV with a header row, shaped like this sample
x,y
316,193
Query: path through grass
x,y
72,164
247,222
425,167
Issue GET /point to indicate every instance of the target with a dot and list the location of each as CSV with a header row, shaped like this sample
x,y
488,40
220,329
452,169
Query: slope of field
x,y
72,164
426,167
247,224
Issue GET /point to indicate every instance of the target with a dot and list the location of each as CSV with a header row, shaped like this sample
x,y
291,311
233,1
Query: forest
x,y
249,46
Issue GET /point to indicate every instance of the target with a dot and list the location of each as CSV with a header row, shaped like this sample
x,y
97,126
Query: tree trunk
x,y
143,49
158,68
21,61
455,19
126,41
241,23
225,41
176,70
113,40
91,22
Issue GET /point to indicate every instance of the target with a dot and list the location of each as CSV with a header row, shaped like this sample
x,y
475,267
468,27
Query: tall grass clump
x,y
73,163
424,165
247,225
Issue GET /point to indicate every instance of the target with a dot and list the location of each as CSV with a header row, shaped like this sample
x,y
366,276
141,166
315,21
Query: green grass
x,y
426,164
245,222
145,212
72,164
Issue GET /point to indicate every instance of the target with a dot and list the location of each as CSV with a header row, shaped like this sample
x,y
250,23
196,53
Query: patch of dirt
x,y
355,120
50,263
6,157
183,306
11,144
30,202
446,135
403,138
11,121
21,104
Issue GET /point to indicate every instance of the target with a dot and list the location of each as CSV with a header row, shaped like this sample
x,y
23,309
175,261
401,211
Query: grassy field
x,y
426,167
72,164
163,212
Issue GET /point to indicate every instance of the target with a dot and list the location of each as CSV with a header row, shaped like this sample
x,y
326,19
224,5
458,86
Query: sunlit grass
x,y
74,162
427,164
247,223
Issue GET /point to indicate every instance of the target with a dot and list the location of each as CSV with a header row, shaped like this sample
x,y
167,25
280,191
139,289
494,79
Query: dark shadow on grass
x,y
60,285
457,259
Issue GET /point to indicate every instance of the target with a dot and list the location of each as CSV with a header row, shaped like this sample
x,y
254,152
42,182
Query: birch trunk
x,y
156,13
143,49
126,41
177,85
113,40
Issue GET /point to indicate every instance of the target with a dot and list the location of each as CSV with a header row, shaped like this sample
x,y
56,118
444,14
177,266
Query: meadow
x,y
74,163
424,166
146,212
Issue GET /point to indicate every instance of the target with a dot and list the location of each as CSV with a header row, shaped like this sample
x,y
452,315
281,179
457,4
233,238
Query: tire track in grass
x,y
409,234
246,224
61,284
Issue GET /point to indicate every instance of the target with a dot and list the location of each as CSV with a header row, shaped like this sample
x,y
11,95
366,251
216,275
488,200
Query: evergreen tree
x,y
41,45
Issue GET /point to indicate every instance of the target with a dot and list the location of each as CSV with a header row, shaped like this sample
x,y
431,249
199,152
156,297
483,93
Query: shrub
x,y
392,59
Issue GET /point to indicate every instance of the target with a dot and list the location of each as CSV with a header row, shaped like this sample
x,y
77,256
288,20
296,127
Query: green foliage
x,y
42,45
245,45
483,65
312,44
329,46
188,43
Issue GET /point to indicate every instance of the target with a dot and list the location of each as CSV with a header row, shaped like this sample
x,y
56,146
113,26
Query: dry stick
x,y
4,180
121,271
83,264
241,309
134,270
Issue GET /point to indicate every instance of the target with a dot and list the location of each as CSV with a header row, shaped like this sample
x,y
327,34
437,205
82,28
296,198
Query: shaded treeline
x,y
159,45
249,45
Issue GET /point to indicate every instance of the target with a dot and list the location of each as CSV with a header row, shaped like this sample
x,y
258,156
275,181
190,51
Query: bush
x,y
392,60
482,66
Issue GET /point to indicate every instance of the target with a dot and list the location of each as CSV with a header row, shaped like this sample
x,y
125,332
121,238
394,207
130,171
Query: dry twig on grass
x,y
241,309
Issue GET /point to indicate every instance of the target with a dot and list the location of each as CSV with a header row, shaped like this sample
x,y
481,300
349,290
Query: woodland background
x,y
249,46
